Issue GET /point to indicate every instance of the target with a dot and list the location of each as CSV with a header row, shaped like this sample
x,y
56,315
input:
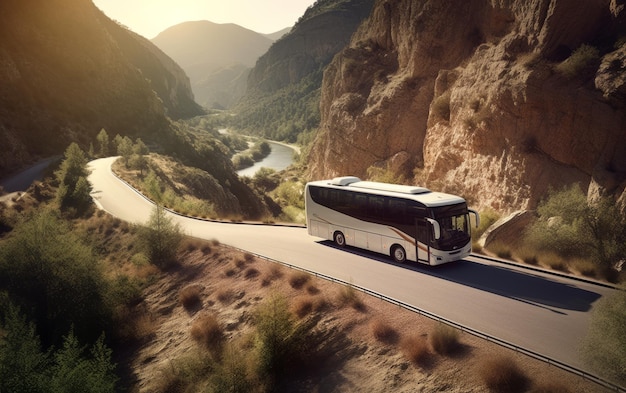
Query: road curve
x,y
543,313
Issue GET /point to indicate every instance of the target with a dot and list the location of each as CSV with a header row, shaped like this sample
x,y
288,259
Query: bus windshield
x,y
455,226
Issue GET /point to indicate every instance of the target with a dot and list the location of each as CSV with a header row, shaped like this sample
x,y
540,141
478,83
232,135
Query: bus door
x,y
423,239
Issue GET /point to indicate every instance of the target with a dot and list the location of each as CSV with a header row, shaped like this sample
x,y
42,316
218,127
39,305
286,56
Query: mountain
x,y
496,101
282,95
211,52
67,72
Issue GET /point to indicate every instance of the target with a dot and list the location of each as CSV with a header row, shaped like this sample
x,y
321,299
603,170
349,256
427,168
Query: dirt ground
x,y
232,285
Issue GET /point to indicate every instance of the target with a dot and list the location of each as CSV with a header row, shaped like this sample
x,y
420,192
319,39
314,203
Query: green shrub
x,y
160,238
283,345
579,60
441,106
487,218
604,347
350,296
43,266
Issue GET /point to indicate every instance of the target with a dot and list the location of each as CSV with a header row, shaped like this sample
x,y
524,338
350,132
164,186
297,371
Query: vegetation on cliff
x,y
282,96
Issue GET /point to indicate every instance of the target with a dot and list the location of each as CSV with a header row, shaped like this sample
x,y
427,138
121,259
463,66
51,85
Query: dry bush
x,y
416,350
207,331
298,279
501,374
230,272
302,306
445,339
189,296
251,273
383,332
275,272
248,257
240,264
312,289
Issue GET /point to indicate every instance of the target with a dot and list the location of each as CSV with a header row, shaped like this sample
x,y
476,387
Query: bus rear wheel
x,y
398,254
340,239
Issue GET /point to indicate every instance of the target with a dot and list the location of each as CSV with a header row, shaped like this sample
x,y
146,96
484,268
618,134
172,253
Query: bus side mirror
x,y
436,228
474,212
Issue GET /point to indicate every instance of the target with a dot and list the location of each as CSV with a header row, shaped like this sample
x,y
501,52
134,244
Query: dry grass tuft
x,y
349,296
190,296
416,350
445,339
383,332
501,374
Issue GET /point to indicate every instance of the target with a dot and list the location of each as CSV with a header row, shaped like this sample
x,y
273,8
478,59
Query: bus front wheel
x,y
340,239
398,254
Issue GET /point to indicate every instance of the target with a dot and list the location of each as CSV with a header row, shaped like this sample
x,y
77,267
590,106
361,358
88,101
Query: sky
x,y
150,17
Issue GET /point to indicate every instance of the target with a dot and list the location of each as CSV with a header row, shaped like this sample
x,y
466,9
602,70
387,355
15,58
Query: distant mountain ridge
x,y
216,57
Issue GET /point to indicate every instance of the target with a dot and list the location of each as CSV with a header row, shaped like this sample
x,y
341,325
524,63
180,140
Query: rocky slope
x,y
496,100
67,72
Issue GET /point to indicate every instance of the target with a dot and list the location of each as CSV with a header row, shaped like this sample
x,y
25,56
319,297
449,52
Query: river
x,y
280,158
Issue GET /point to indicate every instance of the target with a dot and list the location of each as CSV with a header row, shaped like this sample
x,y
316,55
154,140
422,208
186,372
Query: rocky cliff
x,y
67,72
496,100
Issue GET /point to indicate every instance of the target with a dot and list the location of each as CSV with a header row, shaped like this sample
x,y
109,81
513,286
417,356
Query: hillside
x,y
282,95
211,52
497,102
67,72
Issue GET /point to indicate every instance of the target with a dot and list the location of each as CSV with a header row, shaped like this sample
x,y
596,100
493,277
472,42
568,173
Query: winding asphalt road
x,y
543,313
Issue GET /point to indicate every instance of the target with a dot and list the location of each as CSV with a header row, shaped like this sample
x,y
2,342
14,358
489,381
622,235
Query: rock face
x,y
67,71
494,100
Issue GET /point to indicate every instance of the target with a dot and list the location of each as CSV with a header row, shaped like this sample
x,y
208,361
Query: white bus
x,y
405,222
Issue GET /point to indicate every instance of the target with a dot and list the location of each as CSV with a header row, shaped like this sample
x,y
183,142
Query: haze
x,y
150,17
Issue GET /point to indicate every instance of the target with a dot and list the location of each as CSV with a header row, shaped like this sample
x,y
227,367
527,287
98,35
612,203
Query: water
x,y
280,158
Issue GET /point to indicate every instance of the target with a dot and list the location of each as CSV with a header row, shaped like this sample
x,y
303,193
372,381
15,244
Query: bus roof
x,y
420,194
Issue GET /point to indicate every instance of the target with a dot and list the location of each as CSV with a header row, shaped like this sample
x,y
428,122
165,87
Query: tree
x,y
573,226
161,237
125,149
103,141
76,371
52,274
74,189
23,365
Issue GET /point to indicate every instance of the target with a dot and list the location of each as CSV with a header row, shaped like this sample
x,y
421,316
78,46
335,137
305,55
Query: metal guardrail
x,y
466,329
